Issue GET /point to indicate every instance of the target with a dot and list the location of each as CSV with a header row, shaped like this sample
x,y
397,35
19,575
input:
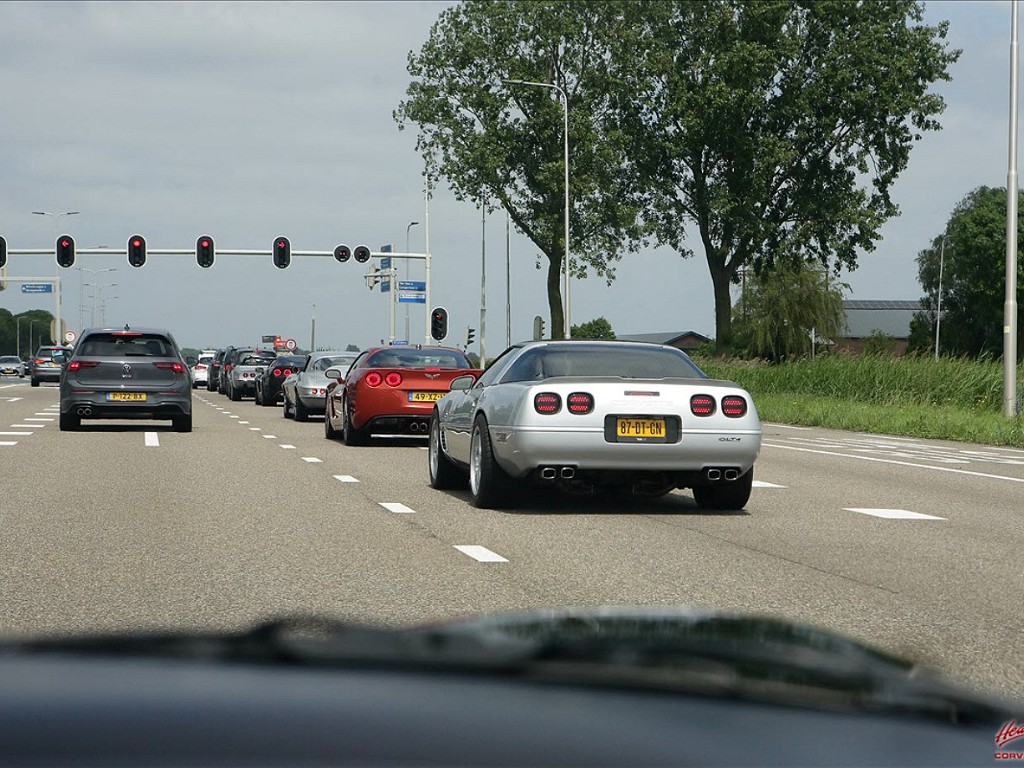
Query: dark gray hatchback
x,y
126,373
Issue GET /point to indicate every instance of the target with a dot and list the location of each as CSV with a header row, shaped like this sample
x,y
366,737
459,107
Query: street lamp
x,y
81,297
97,296
410,226
103,308
17,333
565,132
938,308
31,327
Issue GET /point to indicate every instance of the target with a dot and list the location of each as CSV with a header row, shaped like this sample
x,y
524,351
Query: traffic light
x,y
470,334
282,253
65,251
136,250
3,252
439,323
342,253
362,254
538,327
205,251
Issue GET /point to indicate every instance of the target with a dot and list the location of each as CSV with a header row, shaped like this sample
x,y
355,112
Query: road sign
x,y
399,342
412,298
412,285
270,339
385,262
37,288
290,345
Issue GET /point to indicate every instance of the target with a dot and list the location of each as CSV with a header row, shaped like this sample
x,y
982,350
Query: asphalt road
x,y
911,545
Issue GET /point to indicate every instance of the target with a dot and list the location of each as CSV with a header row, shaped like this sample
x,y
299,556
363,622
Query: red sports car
x,y
390,390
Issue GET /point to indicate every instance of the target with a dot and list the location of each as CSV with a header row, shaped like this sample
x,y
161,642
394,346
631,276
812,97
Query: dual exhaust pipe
x,y
552,473
84,410
714,474
418,426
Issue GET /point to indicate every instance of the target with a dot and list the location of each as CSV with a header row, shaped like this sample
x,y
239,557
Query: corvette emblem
x,y
432,375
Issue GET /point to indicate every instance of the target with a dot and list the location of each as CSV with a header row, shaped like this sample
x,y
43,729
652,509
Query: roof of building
x,y
865,317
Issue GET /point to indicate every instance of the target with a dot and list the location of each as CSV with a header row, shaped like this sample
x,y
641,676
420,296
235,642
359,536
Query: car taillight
x,y
278,373
287,372
373,379
580,402
734,406
547,403
38,361
227,368
75,365
165,366
702,405
393,379
200,367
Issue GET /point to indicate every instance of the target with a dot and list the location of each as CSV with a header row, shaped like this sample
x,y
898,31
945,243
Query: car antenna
x,y
126,327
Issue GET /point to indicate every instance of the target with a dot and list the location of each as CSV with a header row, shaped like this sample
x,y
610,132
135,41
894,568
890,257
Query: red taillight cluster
x,y
547,403
580,403
702,405
393,379
75,365
373,379
734,406
165,366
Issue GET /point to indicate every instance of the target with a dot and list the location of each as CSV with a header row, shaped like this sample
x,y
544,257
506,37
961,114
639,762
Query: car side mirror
x,y
462,383
335,373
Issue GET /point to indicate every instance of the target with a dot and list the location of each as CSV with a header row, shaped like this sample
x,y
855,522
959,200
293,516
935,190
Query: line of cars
x,y
45,365
592,417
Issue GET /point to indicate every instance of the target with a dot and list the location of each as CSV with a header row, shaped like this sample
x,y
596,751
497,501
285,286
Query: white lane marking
x,y
152,440
14,399
481,554
8,442
763,484
236,417
255,429
287,447
398,509
345,479
33,418
312,459
26,426
900,463
243,422
270,437
424,447
892,514
45,413
15,433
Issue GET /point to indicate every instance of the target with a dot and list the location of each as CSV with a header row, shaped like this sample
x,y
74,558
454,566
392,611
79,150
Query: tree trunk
x,y
721,279
555,297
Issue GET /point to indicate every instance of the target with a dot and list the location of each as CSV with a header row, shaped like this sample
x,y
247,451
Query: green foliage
x,y
776,130
33,330
782,311
598,328
973,278
494,141
879,343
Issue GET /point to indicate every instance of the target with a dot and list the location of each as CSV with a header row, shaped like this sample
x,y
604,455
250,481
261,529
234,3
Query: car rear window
x,y
323,363
119,345
633,362
418,358
257,359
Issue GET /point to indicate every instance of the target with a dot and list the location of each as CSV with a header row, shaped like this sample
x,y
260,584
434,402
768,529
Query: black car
x,y
268,383
213,378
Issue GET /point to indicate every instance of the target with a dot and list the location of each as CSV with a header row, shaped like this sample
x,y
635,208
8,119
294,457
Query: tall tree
x,y
973,278
500,143
776,129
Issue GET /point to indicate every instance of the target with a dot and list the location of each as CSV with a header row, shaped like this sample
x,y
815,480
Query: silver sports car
x,y
597,417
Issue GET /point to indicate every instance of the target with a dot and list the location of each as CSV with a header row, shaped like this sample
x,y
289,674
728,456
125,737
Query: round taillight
x,y
734,406
547,403
580,402
278,373
393,379
702,405
373,379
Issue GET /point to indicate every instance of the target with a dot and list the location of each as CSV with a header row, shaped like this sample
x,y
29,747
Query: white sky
x,y
250,120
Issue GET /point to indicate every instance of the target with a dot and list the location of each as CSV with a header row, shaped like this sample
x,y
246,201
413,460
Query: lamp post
x,y
565,146
56,226
31,327
410,226
103,308
81,301
97,296
938,308
17,334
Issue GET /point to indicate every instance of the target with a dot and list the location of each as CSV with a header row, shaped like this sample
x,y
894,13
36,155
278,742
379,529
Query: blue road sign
x,y
385,285
385,262
412,298
412,285
399,342
37,288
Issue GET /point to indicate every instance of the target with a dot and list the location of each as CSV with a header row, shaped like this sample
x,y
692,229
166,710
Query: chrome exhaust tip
x,y
731,474
84,411
548,473
568,473
714,474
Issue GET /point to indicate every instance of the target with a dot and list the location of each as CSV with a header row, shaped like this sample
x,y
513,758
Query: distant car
x,y
240,371
10,365
390,390
269,381
607,417
201,370
213,372
126,373
230,354
305,392
47,364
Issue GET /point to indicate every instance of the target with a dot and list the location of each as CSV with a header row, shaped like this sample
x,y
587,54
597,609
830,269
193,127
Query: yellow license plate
x,y
133,396
640,428
425,397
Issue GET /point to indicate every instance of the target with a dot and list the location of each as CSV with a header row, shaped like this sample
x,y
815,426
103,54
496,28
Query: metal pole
x,y
508,283
565,128
56,224
312,332
1010,303
483,279
426,258
938,308
17,333
408,333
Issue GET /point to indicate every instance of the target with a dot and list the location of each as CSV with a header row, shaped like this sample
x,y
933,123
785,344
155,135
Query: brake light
x,y
200,367
580,403
734,406
702,405
287,372
373,379
278,373
547,403
393,379
165,366
126,333
38,360
75,365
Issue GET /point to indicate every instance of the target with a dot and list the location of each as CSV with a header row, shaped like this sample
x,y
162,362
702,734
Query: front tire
x,y
489,485
726,496
329,431
444,474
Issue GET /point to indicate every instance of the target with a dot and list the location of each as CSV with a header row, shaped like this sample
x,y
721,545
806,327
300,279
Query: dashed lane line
x,y
398,509
480,554
892,514
312,460
152,440
287,447
345,479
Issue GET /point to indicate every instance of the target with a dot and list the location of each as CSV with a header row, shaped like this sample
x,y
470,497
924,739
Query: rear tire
x,y
351,435
726,496
233,394
489,485
444,474
69,422
182,423
35,382
287,411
